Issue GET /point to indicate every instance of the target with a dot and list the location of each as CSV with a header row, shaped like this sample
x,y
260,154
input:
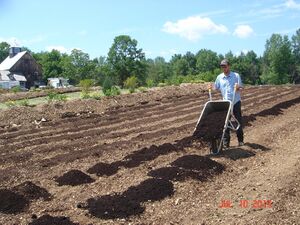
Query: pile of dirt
x,y
150,190
11,202
32,191
74,178
113,206
212,126
146,154
50,220
19,197
103,169
189,167
129,202
199,163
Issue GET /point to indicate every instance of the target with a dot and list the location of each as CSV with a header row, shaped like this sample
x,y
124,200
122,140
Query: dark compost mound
x,y
32,191
129,202
11,202
49,220
198,163
150,190
103,169
212,126
173,173
74,178
113,206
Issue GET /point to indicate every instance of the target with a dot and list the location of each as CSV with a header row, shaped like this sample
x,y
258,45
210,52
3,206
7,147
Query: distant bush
x,y
131,83
142,89
86,85
150,83
10,103
84,95
35,89
16,89
107,84
162,84
113,91
53,96
96,96
24,102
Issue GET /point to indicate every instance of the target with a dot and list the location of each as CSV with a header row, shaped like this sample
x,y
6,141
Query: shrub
x,y
10,103
107,84
162,84
86,85
53,96
85,95
24,102
113,91
131,83
16,89
96,96
150,83
142,89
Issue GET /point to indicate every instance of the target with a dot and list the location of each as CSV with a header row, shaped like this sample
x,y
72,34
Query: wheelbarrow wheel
x,y
214,145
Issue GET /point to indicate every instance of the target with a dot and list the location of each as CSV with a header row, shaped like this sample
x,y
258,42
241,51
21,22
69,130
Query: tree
x,y
192,63
277,60
4,50
125,59
158,71
51,63
180,65
296,56
248,66
207,61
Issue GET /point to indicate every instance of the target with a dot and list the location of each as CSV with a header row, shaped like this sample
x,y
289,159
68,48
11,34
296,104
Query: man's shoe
x,y
241,143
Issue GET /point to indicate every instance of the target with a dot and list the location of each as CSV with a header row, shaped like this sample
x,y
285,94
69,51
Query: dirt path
x,y
126,163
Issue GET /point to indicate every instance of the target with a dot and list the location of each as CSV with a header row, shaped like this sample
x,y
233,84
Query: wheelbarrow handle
x,y
209,92
235,89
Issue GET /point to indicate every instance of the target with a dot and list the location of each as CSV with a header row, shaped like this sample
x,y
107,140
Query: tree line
x,y
125,62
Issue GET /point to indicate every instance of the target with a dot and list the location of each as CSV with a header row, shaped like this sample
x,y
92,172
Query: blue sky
x,y
161,27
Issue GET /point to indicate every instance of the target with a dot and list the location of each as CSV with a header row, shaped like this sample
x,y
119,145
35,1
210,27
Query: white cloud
x,y
12,41
291,4
243,31
193,28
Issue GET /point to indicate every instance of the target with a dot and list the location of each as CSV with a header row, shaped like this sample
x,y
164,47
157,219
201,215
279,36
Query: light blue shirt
x,y
226,85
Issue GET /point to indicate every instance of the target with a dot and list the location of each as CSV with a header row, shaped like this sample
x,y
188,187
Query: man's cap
x,y
224,62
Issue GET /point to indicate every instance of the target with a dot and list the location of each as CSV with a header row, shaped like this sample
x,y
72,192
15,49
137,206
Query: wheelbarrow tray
x,y
210,108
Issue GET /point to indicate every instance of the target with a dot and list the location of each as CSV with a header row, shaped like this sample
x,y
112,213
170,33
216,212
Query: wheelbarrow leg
x,y
214,146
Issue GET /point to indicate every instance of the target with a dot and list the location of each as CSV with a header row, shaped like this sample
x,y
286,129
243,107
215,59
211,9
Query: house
x,y
19,69
58,82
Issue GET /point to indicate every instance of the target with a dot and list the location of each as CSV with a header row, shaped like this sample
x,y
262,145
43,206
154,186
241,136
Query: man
x,y
226,82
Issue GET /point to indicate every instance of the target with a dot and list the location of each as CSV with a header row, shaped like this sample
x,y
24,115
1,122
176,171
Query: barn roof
x,y
9,62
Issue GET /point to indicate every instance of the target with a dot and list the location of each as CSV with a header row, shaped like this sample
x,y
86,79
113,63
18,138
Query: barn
x,y
19,69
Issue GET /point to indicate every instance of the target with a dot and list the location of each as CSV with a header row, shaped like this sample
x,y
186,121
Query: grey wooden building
x,y
20,69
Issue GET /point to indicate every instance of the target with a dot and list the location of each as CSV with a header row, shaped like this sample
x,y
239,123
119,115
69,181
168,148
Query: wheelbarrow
x,y
216,117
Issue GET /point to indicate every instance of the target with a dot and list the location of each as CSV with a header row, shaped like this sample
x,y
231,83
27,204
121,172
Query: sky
x,y
160,27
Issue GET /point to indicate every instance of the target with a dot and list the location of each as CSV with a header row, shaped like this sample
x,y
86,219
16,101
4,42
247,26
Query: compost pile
x,y
212,127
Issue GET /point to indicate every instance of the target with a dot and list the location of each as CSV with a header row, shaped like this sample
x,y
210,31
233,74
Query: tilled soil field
x,y
132,159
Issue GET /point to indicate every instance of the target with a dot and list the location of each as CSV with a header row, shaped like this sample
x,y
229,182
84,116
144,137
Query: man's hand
x,y
237,87
209,86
